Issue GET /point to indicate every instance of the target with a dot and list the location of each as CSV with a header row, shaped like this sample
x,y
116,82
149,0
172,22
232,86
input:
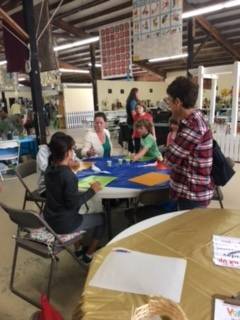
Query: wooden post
x,y
200,86
235,98
190,45
94,78
36,86
213,101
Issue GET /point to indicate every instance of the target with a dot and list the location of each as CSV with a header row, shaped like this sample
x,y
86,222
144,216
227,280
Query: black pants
x,y
186,204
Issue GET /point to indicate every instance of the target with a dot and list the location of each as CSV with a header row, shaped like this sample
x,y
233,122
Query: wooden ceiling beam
x,y
218,37
102,13
214,32
54,5
19,31
108,21
70,29
151,69
80,8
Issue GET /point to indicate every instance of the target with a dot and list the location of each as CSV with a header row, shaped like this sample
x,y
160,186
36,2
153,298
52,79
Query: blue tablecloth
x,y
28,146
123,172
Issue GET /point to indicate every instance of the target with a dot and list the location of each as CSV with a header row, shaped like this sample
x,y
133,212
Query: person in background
x,y
131,105
97,142
190,155
149,146
141,114
173,128
63,200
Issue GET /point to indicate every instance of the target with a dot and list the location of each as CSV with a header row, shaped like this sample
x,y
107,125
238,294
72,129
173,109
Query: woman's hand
x,y
96,186
91,152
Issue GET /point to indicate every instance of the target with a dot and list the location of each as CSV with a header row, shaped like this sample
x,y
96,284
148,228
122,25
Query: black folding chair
x,y
148,205
25,221
25,170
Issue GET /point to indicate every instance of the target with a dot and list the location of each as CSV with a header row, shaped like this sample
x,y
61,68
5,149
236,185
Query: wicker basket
x,y
165,308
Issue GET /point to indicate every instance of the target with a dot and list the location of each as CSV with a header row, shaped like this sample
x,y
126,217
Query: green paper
x,y
143,159
85,183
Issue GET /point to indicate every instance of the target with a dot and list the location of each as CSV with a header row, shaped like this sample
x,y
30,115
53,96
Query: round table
x,y
121,188
187,235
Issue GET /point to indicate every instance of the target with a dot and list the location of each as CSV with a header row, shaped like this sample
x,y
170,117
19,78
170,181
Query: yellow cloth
x,y
188,236
15,109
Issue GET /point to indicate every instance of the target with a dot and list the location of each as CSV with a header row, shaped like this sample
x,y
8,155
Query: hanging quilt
x,y
115,46
157,28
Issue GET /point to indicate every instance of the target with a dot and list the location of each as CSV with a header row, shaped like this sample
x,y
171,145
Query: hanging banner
x,y
157,28
115,46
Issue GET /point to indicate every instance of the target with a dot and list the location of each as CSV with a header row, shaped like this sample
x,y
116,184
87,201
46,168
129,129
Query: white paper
x,y
226,251
141,273
98,170
226,311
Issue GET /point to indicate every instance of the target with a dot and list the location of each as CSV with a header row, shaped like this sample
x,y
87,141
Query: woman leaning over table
x,y
97,142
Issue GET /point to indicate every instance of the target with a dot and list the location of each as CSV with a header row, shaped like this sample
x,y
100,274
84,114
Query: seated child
x,y
173,128
43,156
149,146
63,200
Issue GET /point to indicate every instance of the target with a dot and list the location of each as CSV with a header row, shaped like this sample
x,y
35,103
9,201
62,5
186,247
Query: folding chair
x,y
9,152
28,220
148,205
25,170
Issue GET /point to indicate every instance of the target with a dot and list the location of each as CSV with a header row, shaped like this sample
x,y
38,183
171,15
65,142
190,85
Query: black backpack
x,y
222,170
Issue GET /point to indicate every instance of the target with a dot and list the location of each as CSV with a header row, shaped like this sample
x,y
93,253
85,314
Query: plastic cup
x,y
120,161
109,163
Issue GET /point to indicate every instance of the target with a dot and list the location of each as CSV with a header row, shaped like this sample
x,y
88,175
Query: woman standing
x,y
97,142
131,105
141,114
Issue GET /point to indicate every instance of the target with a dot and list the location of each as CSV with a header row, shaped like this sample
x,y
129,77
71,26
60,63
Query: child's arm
x,y
140,154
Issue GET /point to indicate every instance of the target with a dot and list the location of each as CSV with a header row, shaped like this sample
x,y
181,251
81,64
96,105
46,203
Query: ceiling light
x,y
179,56
97,65
76,44
3,62
22,79
63,70
209,9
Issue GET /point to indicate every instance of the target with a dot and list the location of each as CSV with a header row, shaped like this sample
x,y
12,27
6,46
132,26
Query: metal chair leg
x,y
25,200
13,267
50,277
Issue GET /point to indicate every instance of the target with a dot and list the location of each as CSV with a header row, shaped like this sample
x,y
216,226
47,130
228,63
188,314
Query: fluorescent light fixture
x,y
179,56
209,9
63,70
3,62
22,79
97,65
76,43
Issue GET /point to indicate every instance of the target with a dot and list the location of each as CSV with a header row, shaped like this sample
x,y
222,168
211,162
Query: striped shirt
x,y
190,157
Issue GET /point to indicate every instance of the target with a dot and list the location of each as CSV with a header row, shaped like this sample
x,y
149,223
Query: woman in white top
x,y
97,142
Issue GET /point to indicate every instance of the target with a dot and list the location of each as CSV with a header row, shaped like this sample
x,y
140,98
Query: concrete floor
x,y
69,278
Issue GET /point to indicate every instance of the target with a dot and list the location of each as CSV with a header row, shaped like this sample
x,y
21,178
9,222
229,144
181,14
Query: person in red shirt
x,y
173,128
190,155
141,114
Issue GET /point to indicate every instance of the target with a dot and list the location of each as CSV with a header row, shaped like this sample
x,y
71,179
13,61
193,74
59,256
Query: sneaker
x,y
86,259
81,252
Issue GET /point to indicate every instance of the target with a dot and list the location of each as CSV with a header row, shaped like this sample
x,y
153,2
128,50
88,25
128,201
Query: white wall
x,y
77,98
158,87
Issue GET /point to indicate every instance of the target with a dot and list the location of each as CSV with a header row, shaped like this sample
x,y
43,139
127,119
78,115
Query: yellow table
x,y
188,236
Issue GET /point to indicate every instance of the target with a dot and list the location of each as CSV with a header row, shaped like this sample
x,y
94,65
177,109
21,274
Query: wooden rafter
x,y
102,13
153,70
19,31
217,36
71,29
81,8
